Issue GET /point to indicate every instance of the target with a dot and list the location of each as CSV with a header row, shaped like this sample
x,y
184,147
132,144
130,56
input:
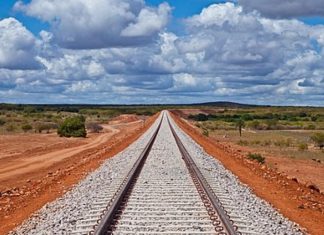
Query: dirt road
x,y
19,165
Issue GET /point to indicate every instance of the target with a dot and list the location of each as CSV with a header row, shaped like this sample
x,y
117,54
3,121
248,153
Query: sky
x,y
157,51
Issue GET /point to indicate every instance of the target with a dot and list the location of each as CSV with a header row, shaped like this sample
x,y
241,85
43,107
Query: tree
x,y
318,138
73,127
240,124
26,127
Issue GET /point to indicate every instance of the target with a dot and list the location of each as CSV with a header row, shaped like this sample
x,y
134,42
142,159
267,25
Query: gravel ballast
x,y
251,214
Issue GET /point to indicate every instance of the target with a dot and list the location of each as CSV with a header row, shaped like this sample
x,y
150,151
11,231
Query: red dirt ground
x,y
38,179
124,118
294,200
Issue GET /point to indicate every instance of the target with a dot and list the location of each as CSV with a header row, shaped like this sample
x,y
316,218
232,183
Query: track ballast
x,y
164,183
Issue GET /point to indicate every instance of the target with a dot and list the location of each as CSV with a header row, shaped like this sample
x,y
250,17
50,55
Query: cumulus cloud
x,y
285,9
17,46
90,24
226,53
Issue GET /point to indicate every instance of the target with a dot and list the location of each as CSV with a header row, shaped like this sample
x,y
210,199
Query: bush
x,y
10,128
30,109
318,138
73,127
256,142
256,157
254,125
283,143
311,127
199,117
272,124
205,132
26,127
42,126
302,147
94,127
2,122
266,143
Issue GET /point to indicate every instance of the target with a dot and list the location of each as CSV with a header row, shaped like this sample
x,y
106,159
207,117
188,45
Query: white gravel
x,y
164,198
67,214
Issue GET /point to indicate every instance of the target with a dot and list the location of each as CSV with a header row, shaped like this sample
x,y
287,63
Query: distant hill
x,y
225,104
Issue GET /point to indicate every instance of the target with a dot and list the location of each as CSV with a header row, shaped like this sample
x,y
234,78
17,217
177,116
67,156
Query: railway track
x,y
163,183
164,193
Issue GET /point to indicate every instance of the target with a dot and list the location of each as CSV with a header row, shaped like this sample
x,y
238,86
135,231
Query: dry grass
x,y
282,142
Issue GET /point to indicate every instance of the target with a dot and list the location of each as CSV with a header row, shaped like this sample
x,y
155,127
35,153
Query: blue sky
x,y
34,25
159,51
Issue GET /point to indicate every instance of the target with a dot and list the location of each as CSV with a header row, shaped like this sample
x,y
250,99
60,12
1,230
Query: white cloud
x,y
82,86
148,22
17,46
89,24
285,8
225,54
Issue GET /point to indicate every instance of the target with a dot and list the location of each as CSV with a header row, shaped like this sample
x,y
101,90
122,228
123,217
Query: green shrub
x,y
73,127
199,117
256,142
254,125
2,122
318,138
256,157
205,132
30,109
26,127
272,124
10,128
302,147
311,127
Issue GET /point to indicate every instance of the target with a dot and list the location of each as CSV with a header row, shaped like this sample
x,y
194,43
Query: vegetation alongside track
x,y
295,132
19,118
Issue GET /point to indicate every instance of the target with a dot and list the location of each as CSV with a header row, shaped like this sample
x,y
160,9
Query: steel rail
x,y
194,170
108,219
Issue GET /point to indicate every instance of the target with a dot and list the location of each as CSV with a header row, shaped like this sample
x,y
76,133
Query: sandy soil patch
x,y
124,118
27,144
16,165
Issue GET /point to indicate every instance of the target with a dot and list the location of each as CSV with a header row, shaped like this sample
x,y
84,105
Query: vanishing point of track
x,y
178,206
